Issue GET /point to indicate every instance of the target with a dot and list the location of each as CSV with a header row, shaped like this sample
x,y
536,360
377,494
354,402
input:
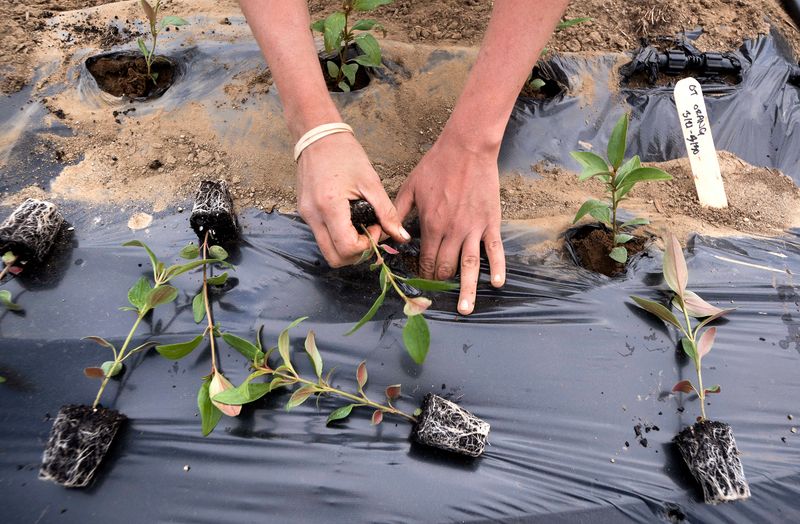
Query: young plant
x,y
156,26
285,375
338,34
536,83
215,382
416,335
143,298
695,344
619,178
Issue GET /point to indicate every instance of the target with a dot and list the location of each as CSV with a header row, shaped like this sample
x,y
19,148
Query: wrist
x,y
311,115
473,137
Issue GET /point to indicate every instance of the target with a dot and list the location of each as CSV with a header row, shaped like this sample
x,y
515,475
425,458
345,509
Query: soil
x,y
593,247
125,75
362,76
79,440
362,213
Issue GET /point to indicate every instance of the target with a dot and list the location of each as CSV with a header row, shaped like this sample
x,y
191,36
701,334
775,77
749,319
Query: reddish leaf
x,y
697,307
684,386
706,341
675,272
361,375
219,384
15,270
149,11
713,389
94,373
416,306
377,417
300,396
389,249
101,341
393,392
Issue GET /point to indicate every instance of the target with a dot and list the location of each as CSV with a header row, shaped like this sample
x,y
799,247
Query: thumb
x,y
387,214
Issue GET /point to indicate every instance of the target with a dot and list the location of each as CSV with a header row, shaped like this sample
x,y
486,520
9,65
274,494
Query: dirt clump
x,y
593,245
125,74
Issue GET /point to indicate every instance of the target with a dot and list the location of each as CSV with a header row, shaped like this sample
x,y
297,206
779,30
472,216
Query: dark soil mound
x,y
125,74
592,245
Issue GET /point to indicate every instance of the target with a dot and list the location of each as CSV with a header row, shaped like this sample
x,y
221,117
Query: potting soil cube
x,y
29,232
445,425
213,213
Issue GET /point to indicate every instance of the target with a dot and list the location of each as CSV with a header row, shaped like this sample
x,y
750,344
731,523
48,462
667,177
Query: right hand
x,y
330,173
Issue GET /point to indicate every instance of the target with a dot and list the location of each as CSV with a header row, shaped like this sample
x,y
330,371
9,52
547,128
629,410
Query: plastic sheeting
x,y
558,362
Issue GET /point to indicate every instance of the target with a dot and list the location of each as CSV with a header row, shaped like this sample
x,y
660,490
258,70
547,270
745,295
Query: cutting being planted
x,y
156,26
619,178
707,447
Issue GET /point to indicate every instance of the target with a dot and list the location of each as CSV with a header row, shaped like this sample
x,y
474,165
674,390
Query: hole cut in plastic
x,y
124,74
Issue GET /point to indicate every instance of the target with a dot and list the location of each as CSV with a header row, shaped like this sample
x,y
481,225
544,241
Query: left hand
x,y
456,190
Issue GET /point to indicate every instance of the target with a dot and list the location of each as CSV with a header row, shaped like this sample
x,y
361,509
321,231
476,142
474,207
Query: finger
x,y
404,201
430,243
470,271
386,213
348,243
447,257
493,243
325,243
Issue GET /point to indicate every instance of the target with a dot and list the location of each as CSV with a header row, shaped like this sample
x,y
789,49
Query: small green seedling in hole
x,y
619,178
143,298
285,375
215,382
338,35
9,268
156,26
416,335
536,83
695,344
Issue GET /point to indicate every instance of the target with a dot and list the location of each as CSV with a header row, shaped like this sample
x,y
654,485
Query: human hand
x,y
457,194
331,172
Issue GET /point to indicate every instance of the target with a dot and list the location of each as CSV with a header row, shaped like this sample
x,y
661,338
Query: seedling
x,y
619,178
338,35
215,382
707,447
438,423
151,11
536,83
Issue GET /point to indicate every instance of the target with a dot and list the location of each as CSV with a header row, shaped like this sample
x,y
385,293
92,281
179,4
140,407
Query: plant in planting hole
x,y
338,35
695,344
156,26
619,178
536,83
143,298
416,335
215,382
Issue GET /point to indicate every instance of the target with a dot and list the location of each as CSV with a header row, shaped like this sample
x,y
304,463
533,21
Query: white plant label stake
x,y
699,143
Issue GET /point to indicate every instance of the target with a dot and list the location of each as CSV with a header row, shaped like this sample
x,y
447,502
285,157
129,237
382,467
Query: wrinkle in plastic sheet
x,y
559,363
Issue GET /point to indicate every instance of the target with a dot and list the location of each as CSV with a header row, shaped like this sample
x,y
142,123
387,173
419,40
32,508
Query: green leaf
x,y
5,301
620,254
371,313
349,71
635,222
154,75
243,394
341,413
111,368
616,143
689,348
313,353
334,27
318,26
218,280
625,169
642,174
245,347
588,207
658,310
160,296
283,343
137,295
9,258
622,238
190,252
431,285
372,50
179,269
209,414
591,164
142,47
139,243
218,252
417,338
536,84
676,274
300,396
172,20
369,5
333,69
343,87
418,412
198,308
603,214
179,350
713,389
364,25
569,22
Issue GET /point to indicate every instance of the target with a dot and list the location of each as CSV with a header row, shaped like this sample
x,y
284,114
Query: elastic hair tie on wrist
x,y
318,133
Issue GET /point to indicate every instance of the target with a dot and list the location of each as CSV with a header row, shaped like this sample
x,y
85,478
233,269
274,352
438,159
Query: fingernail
x,y
497,278
465,305
404,233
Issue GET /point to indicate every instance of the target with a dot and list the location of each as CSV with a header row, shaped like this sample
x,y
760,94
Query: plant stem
x,y
701,392
614,205
208,307
380,261
119,357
